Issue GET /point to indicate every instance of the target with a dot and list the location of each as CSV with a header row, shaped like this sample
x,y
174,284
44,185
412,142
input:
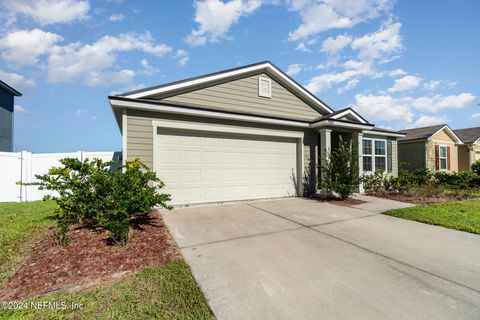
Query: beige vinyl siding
x,y
442,138
140,139
411,155
242,96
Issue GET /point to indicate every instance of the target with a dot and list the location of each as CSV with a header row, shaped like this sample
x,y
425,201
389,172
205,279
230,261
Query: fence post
x,y
26,175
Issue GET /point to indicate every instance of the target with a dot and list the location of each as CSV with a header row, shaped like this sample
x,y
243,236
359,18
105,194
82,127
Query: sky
x,y
400,64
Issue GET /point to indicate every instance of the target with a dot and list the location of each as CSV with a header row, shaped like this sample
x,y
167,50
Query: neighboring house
x,y
243,133
434,148
469,152
6,116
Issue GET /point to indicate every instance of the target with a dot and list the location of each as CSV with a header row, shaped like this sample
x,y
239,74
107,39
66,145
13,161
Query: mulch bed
x,y
347,202
88,260
419,197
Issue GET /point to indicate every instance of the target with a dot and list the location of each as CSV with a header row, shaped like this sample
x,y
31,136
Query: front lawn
x,y
167,292
21,224
119,285
461,215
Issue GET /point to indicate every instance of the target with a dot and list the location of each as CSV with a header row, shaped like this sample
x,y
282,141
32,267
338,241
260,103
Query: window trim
x,y
440,157
373,154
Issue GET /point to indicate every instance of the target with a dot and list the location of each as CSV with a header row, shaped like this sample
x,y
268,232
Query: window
x,y
367,151
442,156
374,155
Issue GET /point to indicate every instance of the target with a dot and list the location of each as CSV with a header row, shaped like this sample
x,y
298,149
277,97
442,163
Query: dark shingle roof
x,y
468,135
9,89
420,133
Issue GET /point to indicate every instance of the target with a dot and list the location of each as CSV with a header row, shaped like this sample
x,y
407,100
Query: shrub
x,y
476,167
373,182
340,173
454,180
91,193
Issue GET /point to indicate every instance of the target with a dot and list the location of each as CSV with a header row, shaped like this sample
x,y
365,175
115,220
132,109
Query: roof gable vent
x,y
264,87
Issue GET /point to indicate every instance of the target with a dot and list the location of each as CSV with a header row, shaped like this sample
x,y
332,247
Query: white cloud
x,y
383,108
439,102
147,68
397,73
25,46
17,81
425,121
475,116
334,45
380,45
182,57
405,83
353,70
302,47
294,69
116,17
349,86
88,62
434,84
18,109
47,12
215,18
318,16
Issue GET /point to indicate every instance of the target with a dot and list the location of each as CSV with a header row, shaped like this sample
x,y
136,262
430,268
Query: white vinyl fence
x,y
21,167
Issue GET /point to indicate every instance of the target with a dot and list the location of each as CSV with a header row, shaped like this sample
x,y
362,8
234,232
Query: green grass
x,y
167,292
20,225
461,215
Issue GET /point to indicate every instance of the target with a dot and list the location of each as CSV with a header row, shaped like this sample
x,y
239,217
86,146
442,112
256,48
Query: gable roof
x,y
229,74
344,112
9,89
468,135
425,133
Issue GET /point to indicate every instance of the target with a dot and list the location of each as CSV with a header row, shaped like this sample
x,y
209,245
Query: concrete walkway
x,y
304,259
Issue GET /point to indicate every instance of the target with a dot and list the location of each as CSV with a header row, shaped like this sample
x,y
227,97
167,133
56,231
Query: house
x,y
6,116
469,152
434,148
243,133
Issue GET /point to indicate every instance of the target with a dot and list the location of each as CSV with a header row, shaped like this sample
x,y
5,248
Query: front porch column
x,y
471,157
359,138
325,147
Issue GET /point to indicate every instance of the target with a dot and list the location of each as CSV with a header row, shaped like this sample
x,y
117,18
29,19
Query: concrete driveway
x,y
303,259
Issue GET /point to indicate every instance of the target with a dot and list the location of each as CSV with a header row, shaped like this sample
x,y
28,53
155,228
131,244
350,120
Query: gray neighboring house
x,y
7,95
245,133
469,152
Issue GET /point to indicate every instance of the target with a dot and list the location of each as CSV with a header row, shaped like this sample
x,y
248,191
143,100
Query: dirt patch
x,y
88,260
421,197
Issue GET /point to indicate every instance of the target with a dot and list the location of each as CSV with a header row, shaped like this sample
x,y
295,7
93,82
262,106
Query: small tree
x,y
91,193
340,172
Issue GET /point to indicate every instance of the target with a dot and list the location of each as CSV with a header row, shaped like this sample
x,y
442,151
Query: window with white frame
x,y
442,157
374,155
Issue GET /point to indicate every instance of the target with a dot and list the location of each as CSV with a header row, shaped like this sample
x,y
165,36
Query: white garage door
x,y
202,167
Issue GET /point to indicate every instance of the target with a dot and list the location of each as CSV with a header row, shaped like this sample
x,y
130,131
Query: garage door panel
x,y
208,167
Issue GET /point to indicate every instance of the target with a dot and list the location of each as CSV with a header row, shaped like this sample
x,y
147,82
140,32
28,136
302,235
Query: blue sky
x,y
399,63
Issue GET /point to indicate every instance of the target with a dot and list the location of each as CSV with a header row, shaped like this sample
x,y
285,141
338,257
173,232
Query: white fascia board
x,y
232,73
382,133
330,122
349,112
204,113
